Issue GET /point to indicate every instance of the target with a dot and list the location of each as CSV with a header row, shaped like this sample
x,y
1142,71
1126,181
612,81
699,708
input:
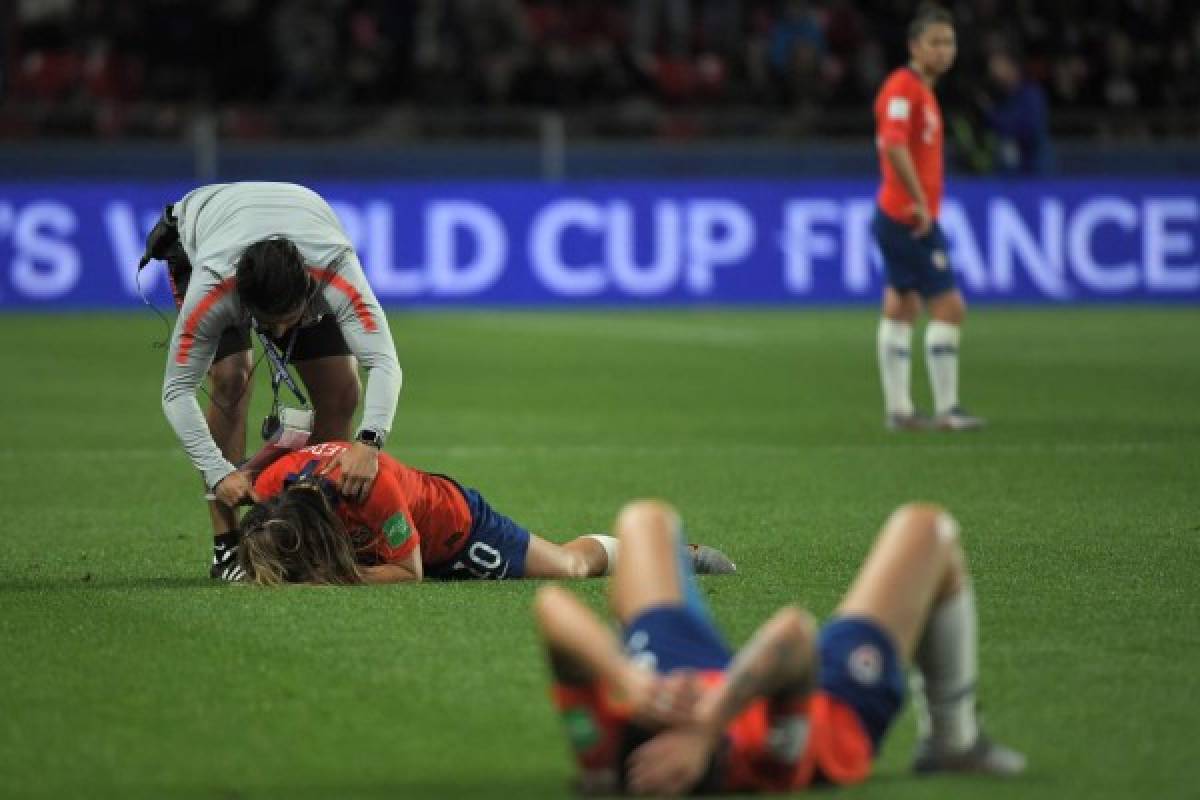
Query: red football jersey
x,y
907,113
837,746
406,509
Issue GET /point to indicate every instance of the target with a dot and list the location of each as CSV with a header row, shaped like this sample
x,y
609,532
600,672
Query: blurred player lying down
x,y
674,711
413,525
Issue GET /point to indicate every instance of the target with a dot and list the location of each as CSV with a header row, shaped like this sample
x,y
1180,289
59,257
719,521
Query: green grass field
x,y
125,672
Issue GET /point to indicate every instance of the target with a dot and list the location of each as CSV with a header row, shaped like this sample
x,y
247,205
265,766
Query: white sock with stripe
x,y
894,345
941,360
947,656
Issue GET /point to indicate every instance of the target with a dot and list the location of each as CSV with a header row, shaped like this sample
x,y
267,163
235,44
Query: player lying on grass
x,y
675,711
412,525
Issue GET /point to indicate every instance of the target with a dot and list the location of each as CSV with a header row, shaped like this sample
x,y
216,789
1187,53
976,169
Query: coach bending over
x,y
273,256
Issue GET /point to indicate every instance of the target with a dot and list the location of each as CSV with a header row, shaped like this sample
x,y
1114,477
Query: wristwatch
x,y
371,438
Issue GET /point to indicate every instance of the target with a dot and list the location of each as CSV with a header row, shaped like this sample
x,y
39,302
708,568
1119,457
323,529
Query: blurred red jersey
x,y
406,509
837,749
907,113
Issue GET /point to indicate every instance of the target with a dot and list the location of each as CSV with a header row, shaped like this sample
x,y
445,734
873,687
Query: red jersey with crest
x,y
907,114
837,749
406,509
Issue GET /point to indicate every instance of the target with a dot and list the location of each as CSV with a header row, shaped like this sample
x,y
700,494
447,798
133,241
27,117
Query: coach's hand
x,y
360,465
923,221
236,489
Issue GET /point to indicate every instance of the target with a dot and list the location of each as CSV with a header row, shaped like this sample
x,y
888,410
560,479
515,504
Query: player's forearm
x,y
901,161
390,573
570,629
779,657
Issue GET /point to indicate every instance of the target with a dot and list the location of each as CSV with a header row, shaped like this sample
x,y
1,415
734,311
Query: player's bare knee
x,y
934,531
928,523
796,623
647,518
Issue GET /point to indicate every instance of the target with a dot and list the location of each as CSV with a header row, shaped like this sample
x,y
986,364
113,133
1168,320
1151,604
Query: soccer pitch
x,y
125,672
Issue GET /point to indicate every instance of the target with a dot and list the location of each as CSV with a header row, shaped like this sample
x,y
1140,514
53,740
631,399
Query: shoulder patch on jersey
x,y
397,530
898,108
581,728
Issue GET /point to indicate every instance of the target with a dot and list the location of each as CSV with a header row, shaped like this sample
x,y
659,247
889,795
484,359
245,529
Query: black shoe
x,y
225,566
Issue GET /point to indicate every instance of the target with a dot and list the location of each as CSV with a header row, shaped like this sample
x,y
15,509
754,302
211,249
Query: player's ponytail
x,y
296,538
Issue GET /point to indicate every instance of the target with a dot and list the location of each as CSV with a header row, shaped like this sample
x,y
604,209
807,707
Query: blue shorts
x,y
921,265
670,637
666,638
495,550
860,667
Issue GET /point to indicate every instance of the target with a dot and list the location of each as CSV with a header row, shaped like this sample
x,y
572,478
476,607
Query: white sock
x,y
894,345
941,360
610,545
948,658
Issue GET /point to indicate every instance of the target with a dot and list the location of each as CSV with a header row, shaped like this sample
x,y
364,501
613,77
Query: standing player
x,y
271,255
908,125
674,711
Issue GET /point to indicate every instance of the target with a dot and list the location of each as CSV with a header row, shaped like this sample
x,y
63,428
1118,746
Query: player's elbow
x,y
386,367
171,394
179,384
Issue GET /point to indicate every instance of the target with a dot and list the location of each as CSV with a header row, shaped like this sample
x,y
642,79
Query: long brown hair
x,y
297,538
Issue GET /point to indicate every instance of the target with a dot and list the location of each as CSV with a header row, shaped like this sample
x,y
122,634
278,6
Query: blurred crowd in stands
x,y
617,59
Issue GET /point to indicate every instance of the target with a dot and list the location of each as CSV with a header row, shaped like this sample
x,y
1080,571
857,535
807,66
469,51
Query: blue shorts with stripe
x,y
495,549
678,636
911,264
860,666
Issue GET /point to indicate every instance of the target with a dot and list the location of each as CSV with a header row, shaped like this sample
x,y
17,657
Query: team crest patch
x,y
865,664
397,530
939,259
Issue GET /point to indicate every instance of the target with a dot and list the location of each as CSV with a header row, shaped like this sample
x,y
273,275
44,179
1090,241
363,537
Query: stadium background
x,y
624,247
